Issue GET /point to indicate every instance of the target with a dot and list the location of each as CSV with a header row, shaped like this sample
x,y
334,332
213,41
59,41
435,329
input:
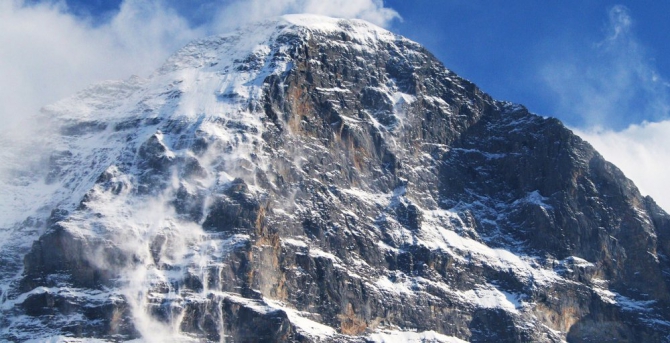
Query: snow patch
x,y
390,336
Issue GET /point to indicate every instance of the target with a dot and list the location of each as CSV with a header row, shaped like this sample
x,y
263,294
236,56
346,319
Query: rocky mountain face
x,y
308,179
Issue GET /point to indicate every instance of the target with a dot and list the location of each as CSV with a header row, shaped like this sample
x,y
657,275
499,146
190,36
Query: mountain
x,y
310,179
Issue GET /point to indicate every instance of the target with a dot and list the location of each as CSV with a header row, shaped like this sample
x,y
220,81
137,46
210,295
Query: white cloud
x,y
642,152
48,53
620,23
241,11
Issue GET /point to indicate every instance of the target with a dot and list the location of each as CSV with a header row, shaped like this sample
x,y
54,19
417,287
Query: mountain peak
x,y
358,28
255,37
316,179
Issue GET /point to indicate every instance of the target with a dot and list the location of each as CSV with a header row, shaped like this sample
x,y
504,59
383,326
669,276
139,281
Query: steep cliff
x,y
313,179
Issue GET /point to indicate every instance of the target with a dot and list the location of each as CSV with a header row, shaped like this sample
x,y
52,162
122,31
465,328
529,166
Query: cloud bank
x,y
607,88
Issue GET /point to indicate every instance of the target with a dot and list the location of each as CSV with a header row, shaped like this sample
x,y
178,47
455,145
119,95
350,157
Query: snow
x,y
367,197
435,235
634,305
438,100
315,252
626,303
64,339
487,155
90,297
600,288
403,286
360,31
390,336
333,90
491,297
295,242
303,324
536,198
309,327
482,296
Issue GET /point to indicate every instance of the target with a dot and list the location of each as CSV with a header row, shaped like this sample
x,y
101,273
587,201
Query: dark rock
x,y
236,210
59,252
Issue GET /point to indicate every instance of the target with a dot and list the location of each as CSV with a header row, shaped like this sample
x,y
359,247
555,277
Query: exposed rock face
x,y
311,179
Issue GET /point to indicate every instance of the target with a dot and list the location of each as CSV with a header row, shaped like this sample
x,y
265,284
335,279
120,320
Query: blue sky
x,y
599,66
506,46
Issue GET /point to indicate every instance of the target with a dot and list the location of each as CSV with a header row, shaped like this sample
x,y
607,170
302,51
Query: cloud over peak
x,y
241,11
49,52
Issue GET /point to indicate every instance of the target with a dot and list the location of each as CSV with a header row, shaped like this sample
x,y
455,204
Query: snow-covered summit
x,y
359,30
260,36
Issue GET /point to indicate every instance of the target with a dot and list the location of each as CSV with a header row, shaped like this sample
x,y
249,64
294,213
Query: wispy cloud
x,y
48,53
610,85
607,88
